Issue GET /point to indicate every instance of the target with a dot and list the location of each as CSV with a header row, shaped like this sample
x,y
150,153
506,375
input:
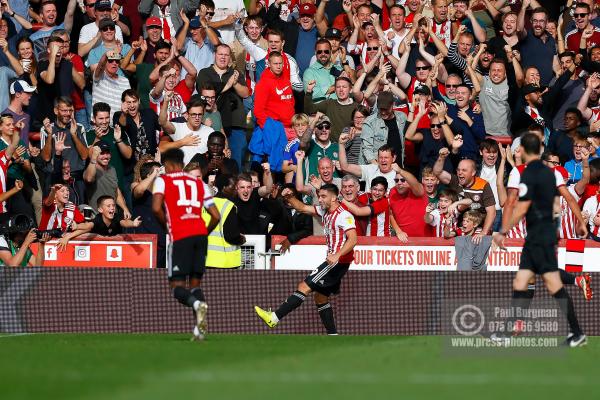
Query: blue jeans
x,y
497,221
82,117
238,146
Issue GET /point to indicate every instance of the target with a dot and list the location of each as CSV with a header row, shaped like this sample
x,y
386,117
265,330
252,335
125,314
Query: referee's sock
x,y
326,314
566,278
184,296
292,302
566,305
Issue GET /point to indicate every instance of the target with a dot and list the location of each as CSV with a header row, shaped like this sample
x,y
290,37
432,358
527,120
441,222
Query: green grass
x,y
283,367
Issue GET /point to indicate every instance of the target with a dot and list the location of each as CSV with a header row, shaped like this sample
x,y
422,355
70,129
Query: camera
x,y
16,224
53,233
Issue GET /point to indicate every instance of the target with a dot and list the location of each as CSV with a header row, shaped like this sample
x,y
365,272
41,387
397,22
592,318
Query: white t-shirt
x,y
223,9
370,171
89,31
396,40
182,130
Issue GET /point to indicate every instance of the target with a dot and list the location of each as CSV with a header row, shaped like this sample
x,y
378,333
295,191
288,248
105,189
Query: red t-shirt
x,y
53,218
184,91
408,211
4,161
77,94
184,197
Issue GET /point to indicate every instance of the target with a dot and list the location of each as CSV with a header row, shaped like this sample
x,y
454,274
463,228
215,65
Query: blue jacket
x,y
269,140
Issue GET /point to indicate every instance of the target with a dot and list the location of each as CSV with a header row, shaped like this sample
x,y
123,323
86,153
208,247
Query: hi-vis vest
x,y
221,254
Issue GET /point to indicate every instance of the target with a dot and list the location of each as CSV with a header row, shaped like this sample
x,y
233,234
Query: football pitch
x,y
110,366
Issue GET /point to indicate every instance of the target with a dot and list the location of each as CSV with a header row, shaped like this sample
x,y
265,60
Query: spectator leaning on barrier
x,y
384,166
108,222
214,162
59,213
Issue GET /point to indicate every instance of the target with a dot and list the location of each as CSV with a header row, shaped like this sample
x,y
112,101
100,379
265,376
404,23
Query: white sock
x,y
274,318
196,305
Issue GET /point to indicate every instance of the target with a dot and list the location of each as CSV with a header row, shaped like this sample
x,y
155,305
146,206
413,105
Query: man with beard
x,y
509,36
377,210
323,72
588,103
468,185
540,105
49,14
120,148
75,149
407,203
537,47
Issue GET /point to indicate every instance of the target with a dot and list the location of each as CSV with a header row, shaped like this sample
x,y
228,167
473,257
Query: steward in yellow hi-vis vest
x,y
225,240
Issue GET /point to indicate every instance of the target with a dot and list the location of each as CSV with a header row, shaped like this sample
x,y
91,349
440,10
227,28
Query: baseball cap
x,y
308,9
195,23
531,88
20,86
104,22
385,100
422,90
153,21
323,118
333,33
113,55
104,147
103,5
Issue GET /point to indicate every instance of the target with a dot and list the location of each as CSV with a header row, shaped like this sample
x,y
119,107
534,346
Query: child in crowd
x,y
471,223
300,125
108,222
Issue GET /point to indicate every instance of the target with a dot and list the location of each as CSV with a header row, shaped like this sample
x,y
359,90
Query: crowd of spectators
x,y
413,108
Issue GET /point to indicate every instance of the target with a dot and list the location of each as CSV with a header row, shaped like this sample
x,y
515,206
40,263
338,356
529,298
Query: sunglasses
x,y
90,5
375,48
399,180
325,125
210,13
436,125
108,28
580,15
422,68
113,61
323,51
451,86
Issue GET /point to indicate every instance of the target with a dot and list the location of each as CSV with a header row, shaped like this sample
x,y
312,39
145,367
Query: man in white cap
x,y
20,94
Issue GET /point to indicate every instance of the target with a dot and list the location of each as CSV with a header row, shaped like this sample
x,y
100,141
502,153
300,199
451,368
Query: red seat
x,y
503,140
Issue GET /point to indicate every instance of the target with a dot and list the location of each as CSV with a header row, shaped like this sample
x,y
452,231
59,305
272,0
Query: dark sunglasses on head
x,y
324,125
108,28
422,68
374,48
580,15
323,51
399,180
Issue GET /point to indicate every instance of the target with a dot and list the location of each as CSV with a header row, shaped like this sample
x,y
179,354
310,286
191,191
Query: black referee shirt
x,y
538,185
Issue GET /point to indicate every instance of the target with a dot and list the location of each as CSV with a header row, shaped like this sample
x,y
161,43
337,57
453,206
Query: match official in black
x,y
537,191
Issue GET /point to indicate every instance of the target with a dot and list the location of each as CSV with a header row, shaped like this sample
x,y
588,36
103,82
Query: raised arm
x,y
344,165
267,187
299,206
68,21
438,167
163,119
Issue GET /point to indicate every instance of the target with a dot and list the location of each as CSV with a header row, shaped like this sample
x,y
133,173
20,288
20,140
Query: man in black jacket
x,y
292,224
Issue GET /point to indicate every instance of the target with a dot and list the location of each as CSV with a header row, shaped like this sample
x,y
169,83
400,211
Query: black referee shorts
x,y
326,279
539,257
187,258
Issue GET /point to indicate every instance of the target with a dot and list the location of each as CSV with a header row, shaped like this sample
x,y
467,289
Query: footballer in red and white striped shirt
x,y
325,280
